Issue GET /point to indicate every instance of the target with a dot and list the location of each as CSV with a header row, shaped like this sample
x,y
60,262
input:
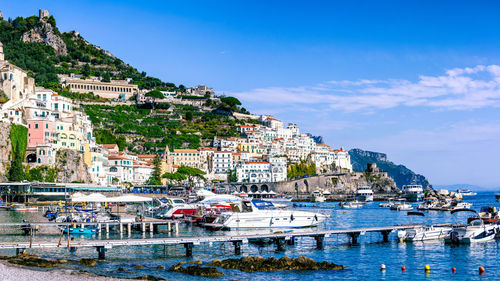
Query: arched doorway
x,y
307,186
264,187
31,158
254,188
244,188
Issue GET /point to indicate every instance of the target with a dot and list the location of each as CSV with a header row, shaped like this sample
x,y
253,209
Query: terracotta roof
x,y
223,152
185,151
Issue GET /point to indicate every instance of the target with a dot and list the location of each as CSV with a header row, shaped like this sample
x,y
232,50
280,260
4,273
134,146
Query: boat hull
x,y
283,219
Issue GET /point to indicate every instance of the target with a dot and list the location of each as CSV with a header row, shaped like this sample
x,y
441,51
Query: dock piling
x,y
129,229
101,252
189,249
319,241
279,244
354,237
291,241
237,247
385,235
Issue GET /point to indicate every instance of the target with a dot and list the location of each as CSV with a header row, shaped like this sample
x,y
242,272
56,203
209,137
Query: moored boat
x,y
263,214
423,232
475,231
364,194
23,208
413,192
351,205
317,196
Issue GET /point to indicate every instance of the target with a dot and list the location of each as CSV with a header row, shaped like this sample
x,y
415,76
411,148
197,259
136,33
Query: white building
x,y
222,162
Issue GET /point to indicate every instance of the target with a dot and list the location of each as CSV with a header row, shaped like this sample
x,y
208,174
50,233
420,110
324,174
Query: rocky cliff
x,y
70,167
44,33
400,174
5,150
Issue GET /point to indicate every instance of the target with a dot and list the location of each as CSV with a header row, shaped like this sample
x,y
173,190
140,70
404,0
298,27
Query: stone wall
x,y
71,167
5,150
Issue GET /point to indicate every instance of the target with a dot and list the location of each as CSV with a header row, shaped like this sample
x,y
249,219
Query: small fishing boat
x,y
351,205
466,192
490,214
79,230
317,196
387,204
23,208
402,206
497,197
475,231
424,232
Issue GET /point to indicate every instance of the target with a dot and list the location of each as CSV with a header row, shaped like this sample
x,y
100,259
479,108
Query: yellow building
x,y
186,157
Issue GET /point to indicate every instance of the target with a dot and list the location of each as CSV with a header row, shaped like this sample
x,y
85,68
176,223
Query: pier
x,y
279,239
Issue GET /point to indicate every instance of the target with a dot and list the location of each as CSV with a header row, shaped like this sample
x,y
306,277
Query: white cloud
x,y
458,89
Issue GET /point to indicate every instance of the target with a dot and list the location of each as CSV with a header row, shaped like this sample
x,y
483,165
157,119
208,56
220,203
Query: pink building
x,y
40,131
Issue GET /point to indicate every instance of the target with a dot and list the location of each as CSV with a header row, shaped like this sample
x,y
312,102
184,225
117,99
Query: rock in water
x,y
88,262
31,260
259,264
196,270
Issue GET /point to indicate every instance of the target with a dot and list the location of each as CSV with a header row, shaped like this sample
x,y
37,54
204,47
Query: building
x,y
186,157
200,91
116,89
222,162
14,82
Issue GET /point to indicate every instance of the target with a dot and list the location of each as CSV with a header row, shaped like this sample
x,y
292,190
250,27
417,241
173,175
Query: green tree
x,y
16,171
191,173
155,178
106,77
86,70
174,177
232,177
189,116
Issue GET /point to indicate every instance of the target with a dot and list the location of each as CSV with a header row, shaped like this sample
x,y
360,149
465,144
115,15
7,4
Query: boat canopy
x,y
463,210
416,214
221,199
261,204
93,197
129,199
204,193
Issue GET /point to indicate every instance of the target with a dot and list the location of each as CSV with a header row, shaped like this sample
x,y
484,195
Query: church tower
x,y
2,57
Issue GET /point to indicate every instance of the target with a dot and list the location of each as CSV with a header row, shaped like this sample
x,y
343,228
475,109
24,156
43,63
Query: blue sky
x,y
417,80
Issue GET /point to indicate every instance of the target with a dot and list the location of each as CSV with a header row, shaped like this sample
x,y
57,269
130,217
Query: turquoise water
x,y
362,261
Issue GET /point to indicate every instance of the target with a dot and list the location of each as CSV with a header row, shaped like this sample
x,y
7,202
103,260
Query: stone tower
x,y
43,13
2,57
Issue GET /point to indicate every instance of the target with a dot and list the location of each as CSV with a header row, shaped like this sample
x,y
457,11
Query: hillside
x,y
400,174
37,45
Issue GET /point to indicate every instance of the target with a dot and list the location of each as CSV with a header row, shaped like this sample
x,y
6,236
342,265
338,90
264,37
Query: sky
x,y
418,80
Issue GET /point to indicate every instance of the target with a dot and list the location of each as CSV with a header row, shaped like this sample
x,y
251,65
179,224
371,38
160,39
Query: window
x,y
46,126
36,125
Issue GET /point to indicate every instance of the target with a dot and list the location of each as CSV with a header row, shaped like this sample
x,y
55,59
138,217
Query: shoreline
x,y
13,272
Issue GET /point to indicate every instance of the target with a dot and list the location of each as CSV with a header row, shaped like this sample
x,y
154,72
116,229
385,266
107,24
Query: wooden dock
x,y
279,239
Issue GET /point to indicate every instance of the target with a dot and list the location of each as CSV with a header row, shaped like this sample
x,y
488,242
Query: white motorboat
x,y
466,192
423,232
178,208
413,192
364,194
387,204
263,214
401,206
317,196
475,231
460,205
351,205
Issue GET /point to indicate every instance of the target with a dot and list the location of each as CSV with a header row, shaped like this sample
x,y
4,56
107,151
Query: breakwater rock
x,y
260,264
30,260
196,270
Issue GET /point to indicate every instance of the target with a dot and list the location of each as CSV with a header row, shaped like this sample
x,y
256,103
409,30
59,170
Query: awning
x,y
129,198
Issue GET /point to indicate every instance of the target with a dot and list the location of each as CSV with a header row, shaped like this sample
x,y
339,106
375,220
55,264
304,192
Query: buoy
x,y
382,267
481,270
403,268
345,212
427,268
454,270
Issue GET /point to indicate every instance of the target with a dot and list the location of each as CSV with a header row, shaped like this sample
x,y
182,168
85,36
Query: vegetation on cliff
x,y
305,167
18,138
401,174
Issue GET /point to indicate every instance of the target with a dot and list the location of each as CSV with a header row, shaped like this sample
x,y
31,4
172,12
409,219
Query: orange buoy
x,y
403,268
454,270
481,270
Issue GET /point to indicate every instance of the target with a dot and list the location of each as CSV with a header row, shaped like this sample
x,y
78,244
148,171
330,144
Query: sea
x,y
362,261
